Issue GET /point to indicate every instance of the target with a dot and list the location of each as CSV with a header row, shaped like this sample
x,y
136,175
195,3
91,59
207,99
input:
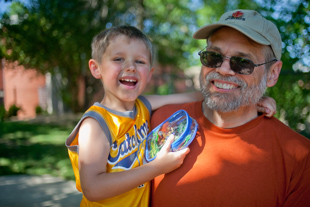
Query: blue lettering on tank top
x,y
129,151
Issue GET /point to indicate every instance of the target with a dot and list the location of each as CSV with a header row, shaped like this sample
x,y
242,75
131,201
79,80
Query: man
x,y
238,157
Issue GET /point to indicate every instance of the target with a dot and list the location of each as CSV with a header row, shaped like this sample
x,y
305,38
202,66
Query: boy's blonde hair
x,y
102,40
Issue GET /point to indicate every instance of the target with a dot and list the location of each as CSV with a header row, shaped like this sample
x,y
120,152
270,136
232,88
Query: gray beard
x,y
225,102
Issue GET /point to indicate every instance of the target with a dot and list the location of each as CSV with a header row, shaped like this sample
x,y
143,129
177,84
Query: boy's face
x,y
125,69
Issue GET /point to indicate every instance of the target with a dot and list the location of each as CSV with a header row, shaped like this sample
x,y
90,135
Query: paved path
x,y
37,191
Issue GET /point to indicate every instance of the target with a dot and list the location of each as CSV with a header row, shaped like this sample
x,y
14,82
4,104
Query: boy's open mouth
x,y
128,82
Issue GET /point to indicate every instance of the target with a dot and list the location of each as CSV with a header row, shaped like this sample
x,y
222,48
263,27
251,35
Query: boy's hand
x,y
267,105
167,161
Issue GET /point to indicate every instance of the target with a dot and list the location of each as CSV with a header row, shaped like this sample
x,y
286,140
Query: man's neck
x,y
230,119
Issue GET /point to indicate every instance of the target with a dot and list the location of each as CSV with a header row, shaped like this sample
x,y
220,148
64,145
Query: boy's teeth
x,y
128,80
224,86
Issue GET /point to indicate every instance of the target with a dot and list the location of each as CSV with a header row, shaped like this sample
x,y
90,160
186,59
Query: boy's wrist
x,y
155,167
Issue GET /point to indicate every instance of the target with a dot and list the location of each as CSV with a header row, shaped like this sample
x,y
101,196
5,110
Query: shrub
x,y
39,110
13,110
2,113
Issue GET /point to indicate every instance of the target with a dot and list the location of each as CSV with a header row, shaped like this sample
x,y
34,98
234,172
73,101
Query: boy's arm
x,y
158,101
267,105
94,150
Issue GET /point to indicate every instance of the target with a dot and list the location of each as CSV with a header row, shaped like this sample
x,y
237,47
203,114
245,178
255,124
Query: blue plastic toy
x,y
180,124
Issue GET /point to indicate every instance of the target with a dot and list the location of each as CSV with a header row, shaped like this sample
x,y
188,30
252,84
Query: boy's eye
x,y
140,61
118,59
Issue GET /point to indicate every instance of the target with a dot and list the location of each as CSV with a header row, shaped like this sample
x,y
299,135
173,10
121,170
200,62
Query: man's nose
x,y
225,69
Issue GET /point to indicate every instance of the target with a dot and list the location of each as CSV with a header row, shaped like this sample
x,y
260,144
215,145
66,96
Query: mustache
x,y
215,75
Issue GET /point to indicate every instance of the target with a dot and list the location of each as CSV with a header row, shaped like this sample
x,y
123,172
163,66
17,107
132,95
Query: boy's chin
x,y
130,98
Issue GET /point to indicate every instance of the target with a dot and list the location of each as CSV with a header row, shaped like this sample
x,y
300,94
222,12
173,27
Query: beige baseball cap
x,y
251,24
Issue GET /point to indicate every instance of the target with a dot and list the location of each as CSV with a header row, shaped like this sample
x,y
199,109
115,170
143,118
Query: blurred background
x,y
45,83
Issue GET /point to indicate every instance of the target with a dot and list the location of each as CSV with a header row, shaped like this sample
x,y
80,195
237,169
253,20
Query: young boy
x,y
107,146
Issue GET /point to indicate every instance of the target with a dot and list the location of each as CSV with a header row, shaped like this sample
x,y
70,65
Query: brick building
x,y
27,89
24,88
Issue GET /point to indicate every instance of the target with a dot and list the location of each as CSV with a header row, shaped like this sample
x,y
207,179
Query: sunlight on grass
x,y
53,137
4,162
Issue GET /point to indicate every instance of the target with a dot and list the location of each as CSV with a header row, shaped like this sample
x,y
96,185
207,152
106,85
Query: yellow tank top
x,y
126,132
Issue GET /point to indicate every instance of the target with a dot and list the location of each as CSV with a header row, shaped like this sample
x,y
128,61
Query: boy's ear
x,y
274,73
150,75
94,68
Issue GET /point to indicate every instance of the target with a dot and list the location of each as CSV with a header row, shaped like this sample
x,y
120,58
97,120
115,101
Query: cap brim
x,y
204,32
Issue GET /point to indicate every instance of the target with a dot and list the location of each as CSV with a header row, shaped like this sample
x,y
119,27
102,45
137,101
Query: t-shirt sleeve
x,y
299,191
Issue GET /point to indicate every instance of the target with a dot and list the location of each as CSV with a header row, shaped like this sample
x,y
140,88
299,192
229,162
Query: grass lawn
x,y
35,148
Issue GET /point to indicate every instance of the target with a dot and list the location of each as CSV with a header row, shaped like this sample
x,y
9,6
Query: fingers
x,y
167,161
180,155
267,112
262,109
168,143
183,152
268,106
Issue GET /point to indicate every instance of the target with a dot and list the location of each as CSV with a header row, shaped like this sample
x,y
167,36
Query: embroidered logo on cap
x,y
236,16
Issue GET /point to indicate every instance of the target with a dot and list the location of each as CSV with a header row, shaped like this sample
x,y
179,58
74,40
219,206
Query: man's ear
x,y
274,73
94,68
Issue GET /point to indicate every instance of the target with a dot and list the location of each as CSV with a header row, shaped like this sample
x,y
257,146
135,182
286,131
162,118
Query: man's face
x,y
223,89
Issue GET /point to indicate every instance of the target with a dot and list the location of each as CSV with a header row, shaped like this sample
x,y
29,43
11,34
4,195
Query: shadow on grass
x,y
36,149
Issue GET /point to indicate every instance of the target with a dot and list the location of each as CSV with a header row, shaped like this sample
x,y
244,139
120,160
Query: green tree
x,y
292,92
55,36
49,36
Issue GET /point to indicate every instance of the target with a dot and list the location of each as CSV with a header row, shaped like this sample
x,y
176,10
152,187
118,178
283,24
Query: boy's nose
x,y
130,66
225,69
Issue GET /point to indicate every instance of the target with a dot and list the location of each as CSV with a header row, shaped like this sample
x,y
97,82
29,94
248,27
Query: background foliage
x,y
54,36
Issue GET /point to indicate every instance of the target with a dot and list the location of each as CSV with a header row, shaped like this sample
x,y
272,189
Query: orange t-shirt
x,y
261,163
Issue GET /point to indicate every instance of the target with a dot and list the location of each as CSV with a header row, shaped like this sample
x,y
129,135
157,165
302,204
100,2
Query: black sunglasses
x,y
239,65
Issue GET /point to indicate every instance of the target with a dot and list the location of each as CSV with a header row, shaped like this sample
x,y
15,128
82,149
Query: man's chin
x,y
223,104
